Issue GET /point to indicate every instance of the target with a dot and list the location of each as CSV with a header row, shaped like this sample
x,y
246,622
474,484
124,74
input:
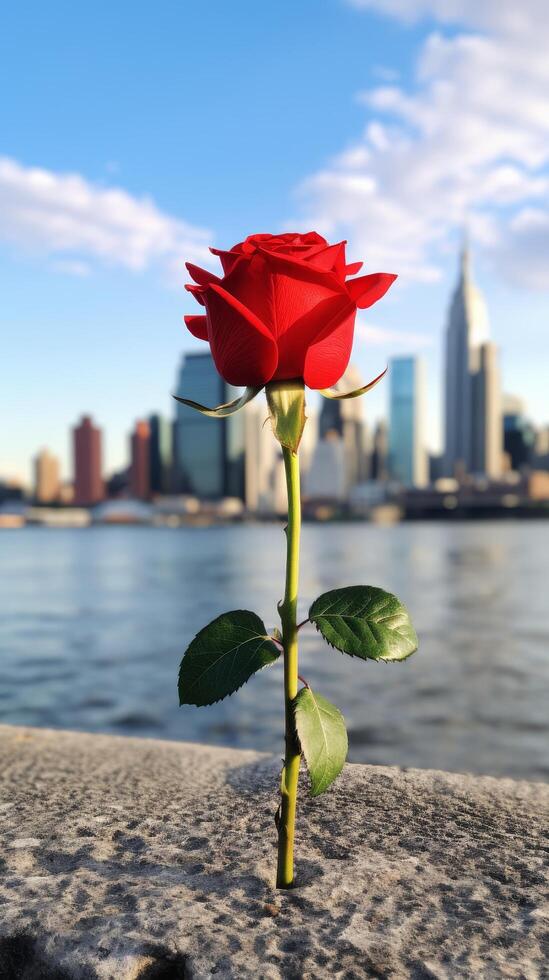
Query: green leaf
x,y
323,738
286,401
223,656
365,622
338,396
222,410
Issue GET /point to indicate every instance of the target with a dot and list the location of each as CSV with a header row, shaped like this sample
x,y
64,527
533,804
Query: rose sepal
x,y
339,396
222,411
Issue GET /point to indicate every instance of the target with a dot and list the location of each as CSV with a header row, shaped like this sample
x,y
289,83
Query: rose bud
x,y
283,309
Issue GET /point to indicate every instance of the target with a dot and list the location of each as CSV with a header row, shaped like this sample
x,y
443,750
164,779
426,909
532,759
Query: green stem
x,y
288,610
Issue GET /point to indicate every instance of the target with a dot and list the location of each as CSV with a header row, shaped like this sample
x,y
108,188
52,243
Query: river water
x,y
94,622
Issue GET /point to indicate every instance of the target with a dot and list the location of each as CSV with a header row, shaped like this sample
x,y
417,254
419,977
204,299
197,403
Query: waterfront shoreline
x,y
129,856
95,625
385,517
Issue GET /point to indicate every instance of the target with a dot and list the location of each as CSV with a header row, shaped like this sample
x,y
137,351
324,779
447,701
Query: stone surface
x,y
127,858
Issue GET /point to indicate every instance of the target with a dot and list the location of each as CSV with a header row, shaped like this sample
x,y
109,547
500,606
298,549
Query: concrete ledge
x,y
127,858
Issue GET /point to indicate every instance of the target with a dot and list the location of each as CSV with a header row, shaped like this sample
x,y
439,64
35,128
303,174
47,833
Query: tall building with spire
x,y
473,416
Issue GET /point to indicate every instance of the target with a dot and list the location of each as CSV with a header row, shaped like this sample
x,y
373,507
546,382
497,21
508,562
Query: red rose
x,y
283,309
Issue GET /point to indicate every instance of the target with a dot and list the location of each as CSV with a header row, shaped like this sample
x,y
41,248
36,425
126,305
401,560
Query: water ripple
x,y
94,624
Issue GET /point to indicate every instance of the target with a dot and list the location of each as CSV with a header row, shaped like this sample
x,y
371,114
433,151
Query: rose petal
x,y
297,290
311,238
327,358
198,326
294,343
197,292
290,248
289,239
366,290
353,268
201,276
228,259
259,238
250,282
296,267
242,347
330,259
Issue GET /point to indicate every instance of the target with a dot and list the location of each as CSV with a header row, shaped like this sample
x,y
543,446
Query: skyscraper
x,y
88,481
408,460
326,477
160,457
209,453
380,470
473,400
487,429
308,443
47,485
345,420
519,434
260,458
541,446
140,481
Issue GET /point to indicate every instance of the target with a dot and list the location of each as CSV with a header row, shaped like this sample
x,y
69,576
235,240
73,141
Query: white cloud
x,y
78,223
73,267
525,255
467,143
501,16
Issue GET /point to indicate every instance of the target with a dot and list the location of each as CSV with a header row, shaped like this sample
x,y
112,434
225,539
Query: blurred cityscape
x,y
192,469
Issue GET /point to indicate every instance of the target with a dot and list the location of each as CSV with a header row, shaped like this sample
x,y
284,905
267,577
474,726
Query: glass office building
x,y
160,454
209,453
408,462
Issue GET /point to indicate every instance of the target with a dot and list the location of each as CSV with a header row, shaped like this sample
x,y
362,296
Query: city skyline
x,y
472,416
473,404
187,463
429,119
376,407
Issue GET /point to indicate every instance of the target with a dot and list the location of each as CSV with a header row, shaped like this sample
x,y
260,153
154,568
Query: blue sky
x,y
132,136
